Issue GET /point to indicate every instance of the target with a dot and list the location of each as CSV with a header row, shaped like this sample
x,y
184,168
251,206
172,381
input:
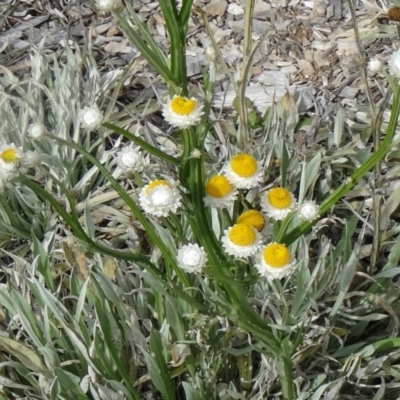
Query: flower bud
x,y
375,65
91,117
36,131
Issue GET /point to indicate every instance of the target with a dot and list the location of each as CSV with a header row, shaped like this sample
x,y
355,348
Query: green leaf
x,y
104,319
190,392
25,355
309,174
70,382
284,164
141,143
381,391
157,366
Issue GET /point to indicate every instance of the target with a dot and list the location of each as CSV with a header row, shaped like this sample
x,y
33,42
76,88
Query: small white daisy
x,y
191,258
220,193
394,64
254,218
129,159
277,203
10,158
36,131
160,197
275,261
308,211
244,171
91,117
182,112
241,240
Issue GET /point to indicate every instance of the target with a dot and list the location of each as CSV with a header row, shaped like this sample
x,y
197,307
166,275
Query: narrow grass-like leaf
x,y
70,382
190,392
25,355
156,347
144,145
105,326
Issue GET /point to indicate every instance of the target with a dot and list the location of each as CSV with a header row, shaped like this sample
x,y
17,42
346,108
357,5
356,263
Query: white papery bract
x,y
159,198
191,258
36,131
91,117
375,65
129,159
308,211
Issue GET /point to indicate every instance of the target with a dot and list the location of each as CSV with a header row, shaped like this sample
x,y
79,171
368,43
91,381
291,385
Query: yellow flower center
x,y
244,165
253,218
218,186
276,255
242,235
10,156
279,198
182,105
156,183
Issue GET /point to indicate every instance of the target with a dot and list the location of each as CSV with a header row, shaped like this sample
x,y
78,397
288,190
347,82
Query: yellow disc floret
x,y
218,186
279,198
182,105
242,235
10,156
244,165
276,255
158,182
253,218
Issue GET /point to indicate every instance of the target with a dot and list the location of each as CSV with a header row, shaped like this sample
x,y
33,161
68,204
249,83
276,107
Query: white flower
x,y
36,131
394,64
220,193
244,171
308,211
277,203
160,197
241,240
10,158
108,5
182,112
191,258
375,65
130,160
91,117
275,261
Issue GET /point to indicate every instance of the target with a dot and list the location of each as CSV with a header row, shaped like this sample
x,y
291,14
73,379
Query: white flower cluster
x,y
12,159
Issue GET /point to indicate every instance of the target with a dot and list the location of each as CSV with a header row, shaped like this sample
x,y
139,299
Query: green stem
x,y
285,372
354,178
168,256
139,35
178,43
